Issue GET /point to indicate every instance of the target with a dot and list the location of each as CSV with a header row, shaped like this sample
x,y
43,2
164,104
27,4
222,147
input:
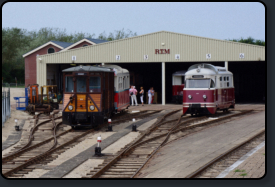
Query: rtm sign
x,y
162,51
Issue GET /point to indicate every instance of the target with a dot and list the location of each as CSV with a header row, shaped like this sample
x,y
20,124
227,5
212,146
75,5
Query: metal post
x,y
226,65
9,104
3,116
163,83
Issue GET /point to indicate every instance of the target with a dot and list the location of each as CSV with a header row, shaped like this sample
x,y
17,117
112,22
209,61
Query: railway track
x,y
36,150
213,168
133,158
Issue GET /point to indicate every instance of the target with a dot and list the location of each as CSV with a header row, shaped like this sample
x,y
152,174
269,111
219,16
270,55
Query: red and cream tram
x,y
178,85
122,85
207,89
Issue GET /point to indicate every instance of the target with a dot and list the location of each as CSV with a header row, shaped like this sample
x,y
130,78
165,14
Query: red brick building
x,y
47,48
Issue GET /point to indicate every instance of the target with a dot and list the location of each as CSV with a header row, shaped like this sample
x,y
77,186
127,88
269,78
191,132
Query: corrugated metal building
x,y
172,50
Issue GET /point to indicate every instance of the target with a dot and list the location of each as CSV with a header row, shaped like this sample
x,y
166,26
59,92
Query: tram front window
x,y
95,84
199,83
81,84
69,87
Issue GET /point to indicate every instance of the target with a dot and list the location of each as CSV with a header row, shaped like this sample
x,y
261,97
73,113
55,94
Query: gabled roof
x,y
60,45
89,40
63,44
97,41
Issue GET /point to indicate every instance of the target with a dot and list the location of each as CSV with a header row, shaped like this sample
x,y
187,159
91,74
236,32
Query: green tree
x,y
249,40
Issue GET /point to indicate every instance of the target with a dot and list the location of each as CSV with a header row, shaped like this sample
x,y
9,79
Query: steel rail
x,y
135,116
102,170
172,131
201,169
31,137
47,153
215,120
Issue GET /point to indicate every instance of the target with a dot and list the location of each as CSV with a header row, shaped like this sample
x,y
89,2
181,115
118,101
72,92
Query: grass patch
x,y
238,170
263,153
243,174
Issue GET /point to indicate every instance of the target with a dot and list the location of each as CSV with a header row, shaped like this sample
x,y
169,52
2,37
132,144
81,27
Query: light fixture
x,y
190,96
92,107
162,44
204,96
70,107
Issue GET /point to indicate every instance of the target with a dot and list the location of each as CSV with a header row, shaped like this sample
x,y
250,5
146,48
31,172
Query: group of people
x,y
133,94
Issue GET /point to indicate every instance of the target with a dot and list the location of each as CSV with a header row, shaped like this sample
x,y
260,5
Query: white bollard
x,y
134,127
98,148
16,126
110,128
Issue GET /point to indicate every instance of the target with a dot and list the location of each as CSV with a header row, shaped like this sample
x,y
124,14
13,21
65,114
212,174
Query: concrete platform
x,y
184,156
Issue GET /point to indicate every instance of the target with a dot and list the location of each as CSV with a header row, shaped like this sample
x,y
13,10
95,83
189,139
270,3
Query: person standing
x,y
130,95
141,95
149,96
133,94
152,93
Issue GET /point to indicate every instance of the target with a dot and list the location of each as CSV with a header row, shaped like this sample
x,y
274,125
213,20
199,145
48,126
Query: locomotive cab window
x,y
69,84
95,84
199,83
81,84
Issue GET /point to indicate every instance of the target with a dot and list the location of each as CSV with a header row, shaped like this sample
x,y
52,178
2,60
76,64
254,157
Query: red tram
x,y
178,85
207,89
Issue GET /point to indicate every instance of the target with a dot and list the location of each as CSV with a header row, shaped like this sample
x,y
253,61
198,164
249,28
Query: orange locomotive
x,y
89,95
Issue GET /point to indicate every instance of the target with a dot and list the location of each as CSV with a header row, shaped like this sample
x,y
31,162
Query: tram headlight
x,y
204,96
190,96
70,107
92,107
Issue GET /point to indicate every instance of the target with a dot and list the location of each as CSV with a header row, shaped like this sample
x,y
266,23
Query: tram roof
x,y
87,68
177,73
216,69
118,68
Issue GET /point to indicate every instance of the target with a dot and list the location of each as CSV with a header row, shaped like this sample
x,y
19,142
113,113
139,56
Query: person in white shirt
x,y
149,96
141,95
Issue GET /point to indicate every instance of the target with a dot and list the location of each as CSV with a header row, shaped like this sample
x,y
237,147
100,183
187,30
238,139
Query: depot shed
x,y
156,56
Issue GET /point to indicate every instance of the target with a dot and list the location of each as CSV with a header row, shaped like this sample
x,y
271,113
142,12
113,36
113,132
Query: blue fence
x,y
6,105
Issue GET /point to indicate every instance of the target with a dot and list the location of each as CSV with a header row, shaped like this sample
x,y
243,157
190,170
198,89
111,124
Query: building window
x,y
220,78
51,50
224,78
84,45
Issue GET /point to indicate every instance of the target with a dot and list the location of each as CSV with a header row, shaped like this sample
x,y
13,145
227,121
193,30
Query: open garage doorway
x,y
249,79
146,75
54,75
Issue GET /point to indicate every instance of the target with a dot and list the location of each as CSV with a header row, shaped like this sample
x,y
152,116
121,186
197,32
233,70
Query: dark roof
x,y
97,41
86,68
62,44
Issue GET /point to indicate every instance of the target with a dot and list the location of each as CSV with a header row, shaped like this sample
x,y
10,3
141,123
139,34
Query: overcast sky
x,y
213,20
